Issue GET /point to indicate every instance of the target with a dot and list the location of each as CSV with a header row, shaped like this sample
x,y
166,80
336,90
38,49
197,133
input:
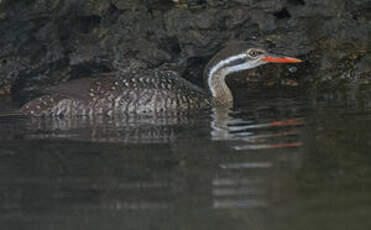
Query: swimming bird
x,y
159,91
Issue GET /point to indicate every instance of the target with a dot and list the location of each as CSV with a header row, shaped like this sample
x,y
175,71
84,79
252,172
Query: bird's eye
x,y
255,53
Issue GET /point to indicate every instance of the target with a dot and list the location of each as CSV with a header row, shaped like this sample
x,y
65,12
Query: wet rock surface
x,y
46,42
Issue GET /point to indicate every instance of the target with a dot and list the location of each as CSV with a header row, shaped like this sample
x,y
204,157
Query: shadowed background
x,y
45,42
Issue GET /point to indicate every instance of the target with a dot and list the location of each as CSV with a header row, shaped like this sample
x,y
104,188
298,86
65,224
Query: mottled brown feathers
x,y
164,91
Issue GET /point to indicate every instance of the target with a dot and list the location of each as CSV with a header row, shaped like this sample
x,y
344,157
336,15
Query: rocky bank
x,y
45,42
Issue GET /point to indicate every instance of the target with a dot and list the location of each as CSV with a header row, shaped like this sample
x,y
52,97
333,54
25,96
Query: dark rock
x,y
237,16
47,42
266,22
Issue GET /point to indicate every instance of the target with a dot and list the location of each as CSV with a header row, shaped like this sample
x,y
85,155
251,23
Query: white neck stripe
x,y
225,62
243,66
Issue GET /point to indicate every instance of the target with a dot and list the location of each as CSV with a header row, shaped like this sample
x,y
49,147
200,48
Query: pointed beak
x,y
280,59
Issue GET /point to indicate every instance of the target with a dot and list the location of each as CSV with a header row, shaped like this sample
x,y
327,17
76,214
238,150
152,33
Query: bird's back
x,y
155,92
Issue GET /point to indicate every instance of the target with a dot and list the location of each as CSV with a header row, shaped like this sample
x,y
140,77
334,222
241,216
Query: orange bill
x,y
280,59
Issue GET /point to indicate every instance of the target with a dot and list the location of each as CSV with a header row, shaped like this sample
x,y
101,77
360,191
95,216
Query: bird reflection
x,y
225,125
123,129
243,183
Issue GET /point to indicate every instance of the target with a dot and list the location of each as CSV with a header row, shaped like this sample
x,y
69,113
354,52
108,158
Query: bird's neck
x,y
216,72
218,87
216,75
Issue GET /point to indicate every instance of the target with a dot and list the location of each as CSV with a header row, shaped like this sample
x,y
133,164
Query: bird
x,y
153,92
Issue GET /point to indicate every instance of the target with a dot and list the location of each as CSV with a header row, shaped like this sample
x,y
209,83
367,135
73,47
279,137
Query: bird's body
x,y
162,92
155,92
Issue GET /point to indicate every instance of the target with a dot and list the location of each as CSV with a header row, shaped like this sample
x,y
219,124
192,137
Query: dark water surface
x,y
277,161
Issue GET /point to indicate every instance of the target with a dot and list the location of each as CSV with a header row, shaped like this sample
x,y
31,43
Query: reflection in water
x,y
125,129
224,127
266,166
246,186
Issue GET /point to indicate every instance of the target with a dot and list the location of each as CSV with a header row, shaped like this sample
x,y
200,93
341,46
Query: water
x,y
277,161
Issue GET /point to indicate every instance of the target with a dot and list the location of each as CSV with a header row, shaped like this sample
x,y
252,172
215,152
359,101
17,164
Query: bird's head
x,y
260,56
243,56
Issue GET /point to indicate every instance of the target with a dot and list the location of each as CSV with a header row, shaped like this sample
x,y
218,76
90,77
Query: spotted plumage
x,y
165,91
